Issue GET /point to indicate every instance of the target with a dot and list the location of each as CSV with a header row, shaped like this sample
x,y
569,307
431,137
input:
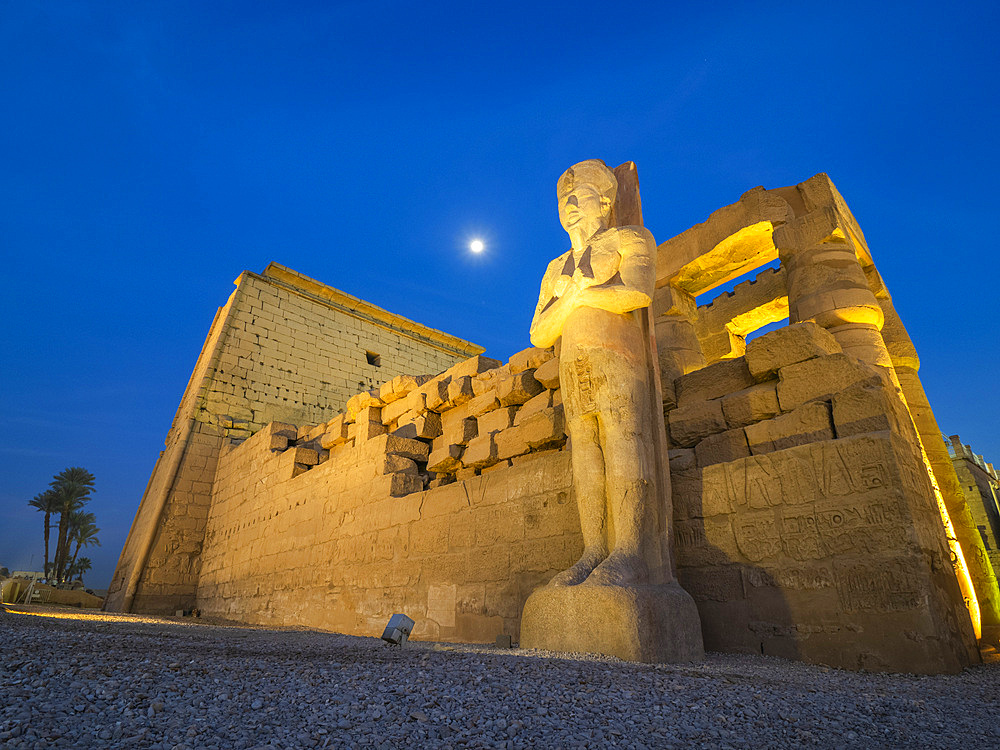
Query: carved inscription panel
x,y
806,474
832,515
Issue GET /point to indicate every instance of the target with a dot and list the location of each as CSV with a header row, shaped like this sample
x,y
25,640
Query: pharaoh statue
x,y
621,598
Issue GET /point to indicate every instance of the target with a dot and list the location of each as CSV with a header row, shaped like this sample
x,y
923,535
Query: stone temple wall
x,y
447,498
283,347
817,514
979,482
806,523
334,547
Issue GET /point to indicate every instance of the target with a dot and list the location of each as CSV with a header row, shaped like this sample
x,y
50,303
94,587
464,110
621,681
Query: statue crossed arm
x,y
630,288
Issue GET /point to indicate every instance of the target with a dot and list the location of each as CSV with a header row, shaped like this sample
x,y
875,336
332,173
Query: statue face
x,y
582,204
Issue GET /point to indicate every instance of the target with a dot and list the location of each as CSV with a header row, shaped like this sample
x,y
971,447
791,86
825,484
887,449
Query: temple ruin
x,y
332,463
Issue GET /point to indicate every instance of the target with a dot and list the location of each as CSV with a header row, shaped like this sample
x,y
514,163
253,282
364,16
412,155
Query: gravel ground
x,y
69,679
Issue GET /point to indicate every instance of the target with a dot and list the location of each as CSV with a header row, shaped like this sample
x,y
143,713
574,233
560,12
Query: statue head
x,y
586,193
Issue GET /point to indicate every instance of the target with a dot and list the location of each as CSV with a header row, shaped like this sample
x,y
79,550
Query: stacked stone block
x,y
476,417
805,521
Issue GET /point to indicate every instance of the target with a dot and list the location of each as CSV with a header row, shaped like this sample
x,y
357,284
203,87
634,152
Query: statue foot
x,y
620,569
578,572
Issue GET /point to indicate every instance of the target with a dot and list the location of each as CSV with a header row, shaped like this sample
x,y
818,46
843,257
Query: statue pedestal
x,y
644,623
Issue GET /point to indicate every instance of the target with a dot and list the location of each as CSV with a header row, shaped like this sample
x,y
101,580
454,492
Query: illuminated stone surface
x,y
317,475
620,598
283,348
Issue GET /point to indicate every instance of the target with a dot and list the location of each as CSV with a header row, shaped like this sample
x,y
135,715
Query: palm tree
x,y
77,569
73,486
47,503
83,531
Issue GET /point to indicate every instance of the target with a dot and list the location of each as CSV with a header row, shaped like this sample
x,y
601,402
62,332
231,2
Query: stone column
x,y
966,536
827,284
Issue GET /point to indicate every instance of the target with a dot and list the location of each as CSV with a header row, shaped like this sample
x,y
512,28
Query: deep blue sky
x,y
152,151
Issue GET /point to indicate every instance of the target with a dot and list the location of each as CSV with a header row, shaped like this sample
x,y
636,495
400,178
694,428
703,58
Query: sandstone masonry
x,y
283,347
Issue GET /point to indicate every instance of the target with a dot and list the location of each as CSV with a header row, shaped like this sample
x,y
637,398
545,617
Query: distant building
x,y
284,348
982,488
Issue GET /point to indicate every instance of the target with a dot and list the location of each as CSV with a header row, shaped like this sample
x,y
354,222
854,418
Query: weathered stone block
x,y
297,460
316,432
412,402
457,426
368,423
336,433
436,393
754,404
401,386
289,431
718,379
767,354
723,446
481,452
395,464
460,390
691,424
518,389
496,420
401,446
488,380
861,409
386,395
482,404
471,366
529,359
425,426
361,401
808,423
445,458
511,443
542,401
822,377
546,429
681,459
405,484
548,373
502,464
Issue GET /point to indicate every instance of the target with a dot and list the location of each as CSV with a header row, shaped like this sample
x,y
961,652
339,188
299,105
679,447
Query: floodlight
x,y
398,630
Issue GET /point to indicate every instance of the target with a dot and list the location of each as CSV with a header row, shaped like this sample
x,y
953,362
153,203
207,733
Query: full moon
x,y
476,246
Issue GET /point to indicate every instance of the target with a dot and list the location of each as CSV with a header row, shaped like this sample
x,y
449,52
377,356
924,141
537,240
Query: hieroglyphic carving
x,y
714,584
805,503
885,586
811,578
796,476
705,541
758,536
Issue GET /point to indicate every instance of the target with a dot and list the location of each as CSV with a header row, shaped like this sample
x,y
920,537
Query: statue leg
x,y
588,485
630,490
